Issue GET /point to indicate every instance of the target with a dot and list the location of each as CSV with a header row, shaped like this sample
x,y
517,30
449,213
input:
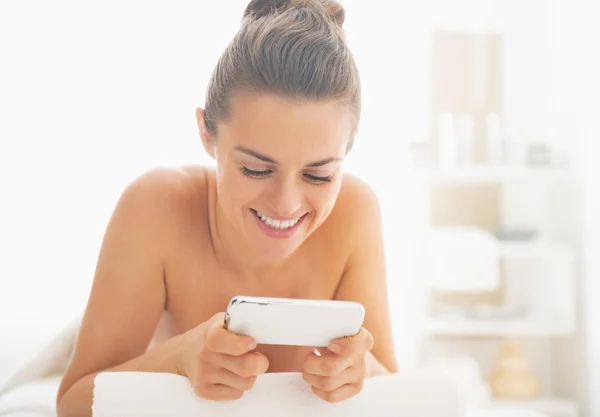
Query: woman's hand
x,y
339,372
220,364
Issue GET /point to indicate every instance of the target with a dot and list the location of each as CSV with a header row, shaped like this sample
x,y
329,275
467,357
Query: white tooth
x,y
277,224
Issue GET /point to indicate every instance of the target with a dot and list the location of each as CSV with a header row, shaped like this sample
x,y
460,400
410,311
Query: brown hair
x,y
293,48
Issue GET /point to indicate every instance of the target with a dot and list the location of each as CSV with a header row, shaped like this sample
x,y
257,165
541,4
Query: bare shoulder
x,y
353,188
168,186
160,206
166,191
357,207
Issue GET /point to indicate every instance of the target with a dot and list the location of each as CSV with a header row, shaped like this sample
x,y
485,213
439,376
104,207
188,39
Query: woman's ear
x,y
207,140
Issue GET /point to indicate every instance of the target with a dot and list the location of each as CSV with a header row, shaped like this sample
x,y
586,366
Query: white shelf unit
x,y
539,326
498,328
532,250
494,174
552,406
539,253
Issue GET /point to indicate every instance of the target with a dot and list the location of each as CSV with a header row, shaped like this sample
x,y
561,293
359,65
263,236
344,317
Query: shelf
x,y
498,328
491,174
552,406
524,250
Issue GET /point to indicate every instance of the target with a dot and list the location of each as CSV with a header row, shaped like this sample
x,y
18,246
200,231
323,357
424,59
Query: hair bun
x,y
262,8
337,11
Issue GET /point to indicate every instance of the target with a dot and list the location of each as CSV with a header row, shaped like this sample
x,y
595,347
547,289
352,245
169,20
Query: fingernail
x,y
334,347
251,344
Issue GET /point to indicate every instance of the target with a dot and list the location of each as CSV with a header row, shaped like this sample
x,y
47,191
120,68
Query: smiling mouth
x,y
277,224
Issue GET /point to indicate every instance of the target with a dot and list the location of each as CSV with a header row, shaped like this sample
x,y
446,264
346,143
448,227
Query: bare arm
x,y
126,300
365,279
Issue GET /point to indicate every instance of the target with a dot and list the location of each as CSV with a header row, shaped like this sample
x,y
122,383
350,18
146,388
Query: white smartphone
x,y
290,321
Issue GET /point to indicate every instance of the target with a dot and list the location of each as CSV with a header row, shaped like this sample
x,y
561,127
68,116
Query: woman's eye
x,y
318,179
254,174
262,174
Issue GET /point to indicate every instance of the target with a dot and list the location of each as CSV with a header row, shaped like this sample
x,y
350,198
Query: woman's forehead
x,y
277,111
269,121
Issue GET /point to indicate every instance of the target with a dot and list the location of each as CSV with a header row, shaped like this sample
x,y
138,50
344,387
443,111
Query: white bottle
x,y
446,143
495,139
464,137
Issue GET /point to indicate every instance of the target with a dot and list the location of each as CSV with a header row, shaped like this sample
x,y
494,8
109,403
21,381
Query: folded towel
x,y
405,394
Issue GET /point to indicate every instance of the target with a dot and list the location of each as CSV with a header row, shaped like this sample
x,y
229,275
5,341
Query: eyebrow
x,y
272,161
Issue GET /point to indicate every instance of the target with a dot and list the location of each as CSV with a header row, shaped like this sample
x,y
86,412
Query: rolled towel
x,y
404,394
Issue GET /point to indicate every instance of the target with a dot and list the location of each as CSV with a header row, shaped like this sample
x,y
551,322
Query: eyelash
x,y
254,174
318,179
261,174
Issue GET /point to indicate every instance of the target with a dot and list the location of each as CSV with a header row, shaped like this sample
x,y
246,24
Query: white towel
x,y
50,361
405,394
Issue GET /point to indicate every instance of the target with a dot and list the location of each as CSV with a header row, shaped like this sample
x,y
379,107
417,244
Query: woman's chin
x,y
272,245
275,252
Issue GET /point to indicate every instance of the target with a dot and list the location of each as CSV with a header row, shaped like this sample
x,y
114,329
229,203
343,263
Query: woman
x,y
277,217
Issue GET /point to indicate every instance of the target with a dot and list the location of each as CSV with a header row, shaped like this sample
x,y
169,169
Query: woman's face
x,y
279,169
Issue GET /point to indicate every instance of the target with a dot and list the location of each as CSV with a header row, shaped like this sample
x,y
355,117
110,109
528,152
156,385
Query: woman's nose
x,y
287,198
